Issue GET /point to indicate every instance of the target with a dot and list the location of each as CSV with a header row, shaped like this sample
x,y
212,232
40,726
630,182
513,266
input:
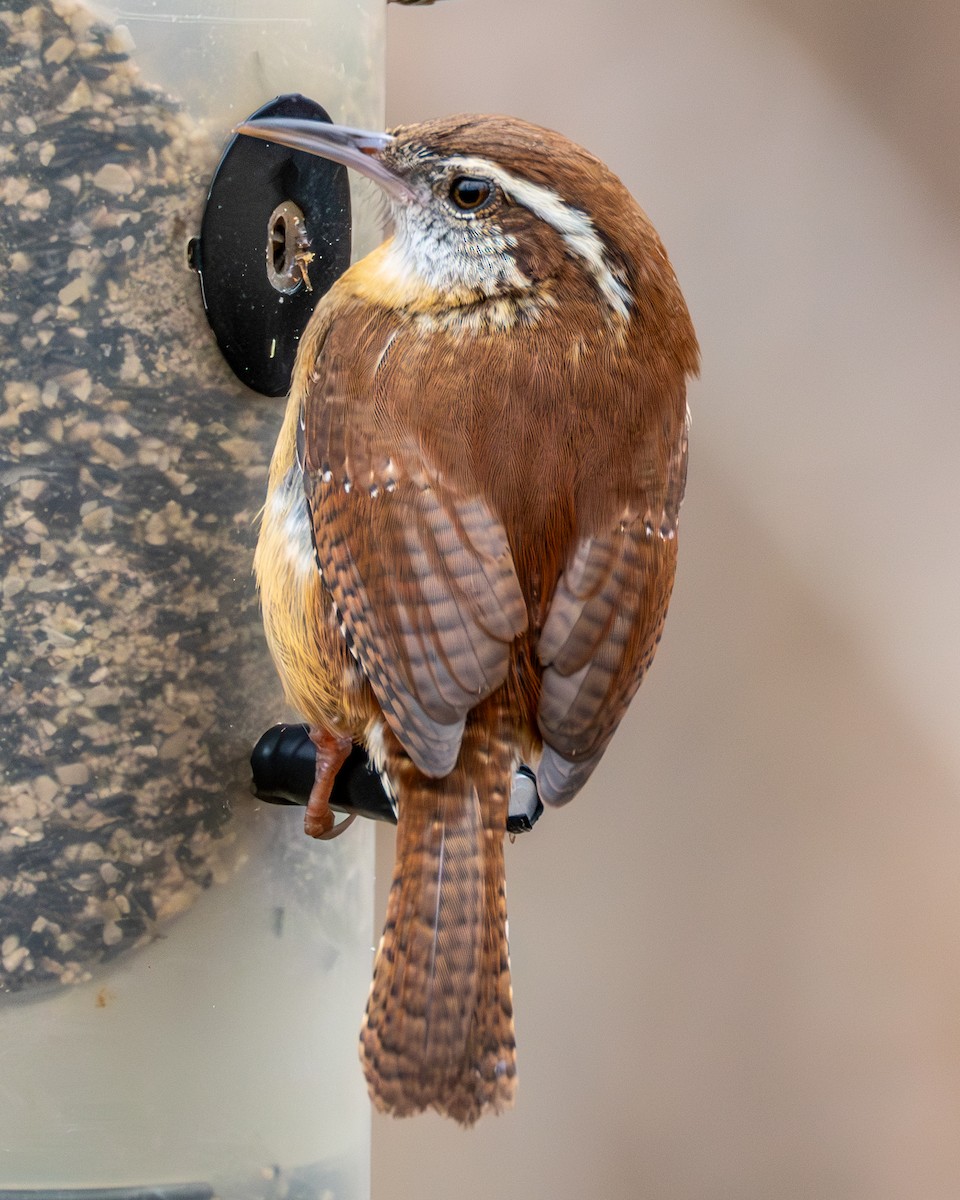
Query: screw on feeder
x,y
275,234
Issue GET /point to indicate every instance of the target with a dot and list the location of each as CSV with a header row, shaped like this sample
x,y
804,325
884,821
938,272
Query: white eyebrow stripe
x,y
574,226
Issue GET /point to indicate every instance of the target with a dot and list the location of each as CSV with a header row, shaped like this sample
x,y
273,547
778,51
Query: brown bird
x,y
469,540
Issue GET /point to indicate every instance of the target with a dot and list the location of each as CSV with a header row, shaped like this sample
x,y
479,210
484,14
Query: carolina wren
x,y
469,540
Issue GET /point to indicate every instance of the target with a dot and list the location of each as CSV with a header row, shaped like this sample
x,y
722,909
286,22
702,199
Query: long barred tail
x,y
438,1030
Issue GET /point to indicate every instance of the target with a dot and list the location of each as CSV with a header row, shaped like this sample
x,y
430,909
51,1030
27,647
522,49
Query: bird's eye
x,y
469,193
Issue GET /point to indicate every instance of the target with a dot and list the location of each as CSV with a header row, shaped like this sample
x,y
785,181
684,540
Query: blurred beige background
x,y
737,956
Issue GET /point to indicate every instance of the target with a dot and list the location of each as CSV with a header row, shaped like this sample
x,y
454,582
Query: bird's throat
x,y
392,279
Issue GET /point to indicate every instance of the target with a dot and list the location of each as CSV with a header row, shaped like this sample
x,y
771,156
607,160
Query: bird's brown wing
x,y
603,627
417,565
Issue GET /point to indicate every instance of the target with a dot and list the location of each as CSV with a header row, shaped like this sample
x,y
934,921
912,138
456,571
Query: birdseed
x,y
132,467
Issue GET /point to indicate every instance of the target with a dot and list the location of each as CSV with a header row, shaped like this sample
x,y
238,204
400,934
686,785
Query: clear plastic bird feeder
x,y
182,972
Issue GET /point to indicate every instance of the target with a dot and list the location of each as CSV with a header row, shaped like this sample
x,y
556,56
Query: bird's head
x,y
492,206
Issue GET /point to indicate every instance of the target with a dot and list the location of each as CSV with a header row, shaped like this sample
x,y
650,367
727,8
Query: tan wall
x,y
737,956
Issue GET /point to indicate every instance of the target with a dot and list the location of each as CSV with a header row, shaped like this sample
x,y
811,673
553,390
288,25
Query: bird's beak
x,y
355,148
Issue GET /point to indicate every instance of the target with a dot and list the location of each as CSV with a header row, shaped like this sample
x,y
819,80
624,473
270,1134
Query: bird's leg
x,y
332,753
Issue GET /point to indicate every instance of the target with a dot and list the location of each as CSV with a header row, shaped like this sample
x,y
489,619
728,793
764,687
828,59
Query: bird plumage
x,y
469,545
